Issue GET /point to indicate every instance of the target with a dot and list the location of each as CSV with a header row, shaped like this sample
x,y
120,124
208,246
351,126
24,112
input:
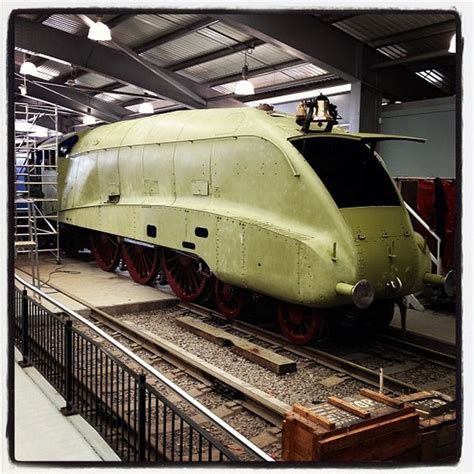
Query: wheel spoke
x,y
230,299
106,251
182,274
299,324
142,270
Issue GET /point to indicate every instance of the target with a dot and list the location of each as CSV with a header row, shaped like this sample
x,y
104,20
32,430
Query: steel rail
x,y
356,371
431,349
234,434
438,345
256,401
251,398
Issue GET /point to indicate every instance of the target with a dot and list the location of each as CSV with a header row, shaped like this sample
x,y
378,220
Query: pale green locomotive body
x,y
235,188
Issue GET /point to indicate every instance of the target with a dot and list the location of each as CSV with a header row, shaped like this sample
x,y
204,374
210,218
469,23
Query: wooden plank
x,y
313,417
428,446
413,397
376,449
450,451
380,397
357,435
446,435
264,357
346,406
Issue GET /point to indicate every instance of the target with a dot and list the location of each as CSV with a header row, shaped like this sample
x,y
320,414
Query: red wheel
x,y
299,324
143,263
106,250
184,274
230,299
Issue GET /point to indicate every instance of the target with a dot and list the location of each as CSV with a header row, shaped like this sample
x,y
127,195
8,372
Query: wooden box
x,y
366,427
437,435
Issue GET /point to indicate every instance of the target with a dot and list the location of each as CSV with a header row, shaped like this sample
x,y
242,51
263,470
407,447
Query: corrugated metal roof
x,y
226,30
141,28
130,90
93,80
115,98
188,46
289,75
181,19
393,51
425,45
264,55
375,26
437,78
53,69
68,23
304,71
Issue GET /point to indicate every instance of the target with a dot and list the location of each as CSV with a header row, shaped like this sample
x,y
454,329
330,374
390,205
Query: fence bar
x,y
68,410
231,432
25,320
141,416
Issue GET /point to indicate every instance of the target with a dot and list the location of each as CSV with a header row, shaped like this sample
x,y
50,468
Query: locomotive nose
x,y
362,293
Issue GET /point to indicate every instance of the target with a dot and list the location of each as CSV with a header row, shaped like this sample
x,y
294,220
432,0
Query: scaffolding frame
x,y
36,185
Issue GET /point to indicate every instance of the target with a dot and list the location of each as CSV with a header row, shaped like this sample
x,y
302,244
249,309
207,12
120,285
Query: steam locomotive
x,y
250,202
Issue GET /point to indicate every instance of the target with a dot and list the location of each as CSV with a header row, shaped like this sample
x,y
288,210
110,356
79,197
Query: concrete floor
x,y
440,325
113,292
42,433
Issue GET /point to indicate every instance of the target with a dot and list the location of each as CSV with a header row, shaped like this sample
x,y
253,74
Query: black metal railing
x,y
137,421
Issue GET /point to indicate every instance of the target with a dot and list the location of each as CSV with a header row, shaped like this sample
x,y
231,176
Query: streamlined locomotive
x,y
250,202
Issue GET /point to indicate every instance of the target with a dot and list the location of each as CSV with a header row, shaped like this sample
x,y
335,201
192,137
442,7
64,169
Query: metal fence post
x,y
68,410
25,330
141,417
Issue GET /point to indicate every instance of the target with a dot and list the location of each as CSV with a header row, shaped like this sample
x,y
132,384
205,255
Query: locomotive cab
x,y
390,257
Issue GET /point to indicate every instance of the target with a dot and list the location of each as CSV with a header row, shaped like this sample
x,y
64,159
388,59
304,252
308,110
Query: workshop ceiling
x,y
194,60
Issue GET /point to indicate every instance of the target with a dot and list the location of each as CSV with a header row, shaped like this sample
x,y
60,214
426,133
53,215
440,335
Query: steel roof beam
x,y
38,61
100,59
202,59
313,40
149,44
255,72
301,85
220,53
174,35
117,20
415,34
413,60
75,101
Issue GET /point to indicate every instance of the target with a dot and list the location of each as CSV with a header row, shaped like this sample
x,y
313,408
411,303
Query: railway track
x,y
430,348
342,364
232,396
241,397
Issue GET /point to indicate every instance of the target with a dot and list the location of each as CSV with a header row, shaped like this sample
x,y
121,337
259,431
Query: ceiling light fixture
x,y
244,86
99,31
28,67
452,44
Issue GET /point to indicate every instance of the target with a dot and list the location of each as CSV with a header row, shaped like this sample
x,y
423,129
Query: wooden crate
x,y
437,435
365,427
